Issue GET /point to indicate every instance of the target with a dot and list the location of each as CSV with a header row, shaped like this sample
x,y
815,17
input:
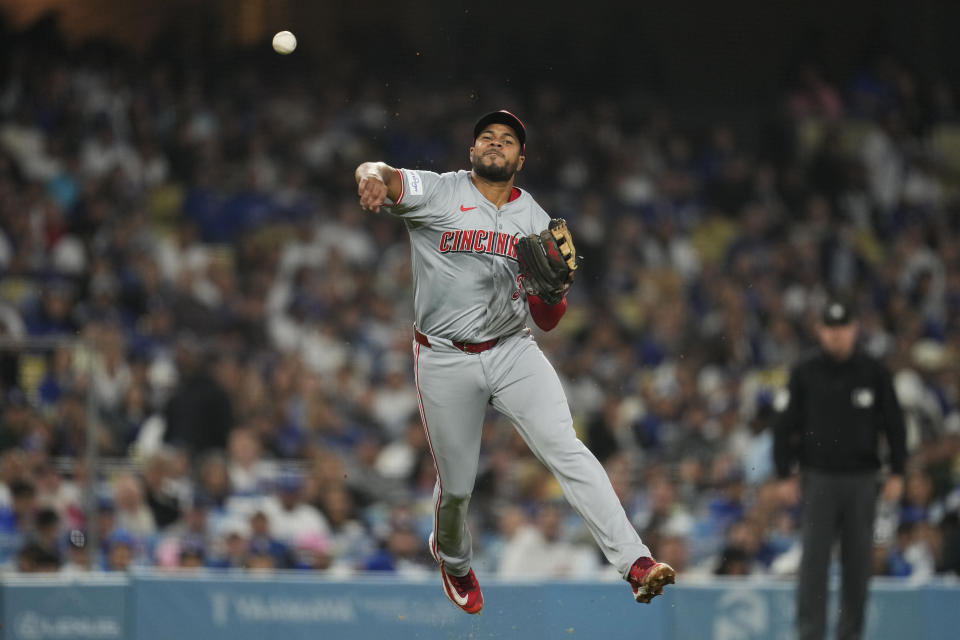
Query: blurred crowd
x,y
246,363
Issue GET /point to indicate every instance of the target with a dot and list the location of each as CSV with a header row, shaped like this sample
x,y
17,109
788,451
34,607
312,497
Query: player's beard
x,y
494,172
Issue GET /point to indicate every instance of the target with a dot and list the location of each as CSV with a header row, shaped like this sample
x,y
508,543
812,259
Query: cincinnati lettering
x,y
478,241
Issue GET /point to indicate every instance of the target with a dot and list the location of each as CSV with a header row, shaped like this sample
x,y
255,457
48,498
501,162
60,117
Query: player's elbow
x,y
546,316
364,169
373,168
547,324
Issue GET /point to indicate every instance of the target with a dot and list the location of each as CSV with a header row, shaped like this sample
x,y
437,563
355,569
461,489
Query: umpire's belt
x,y
466,347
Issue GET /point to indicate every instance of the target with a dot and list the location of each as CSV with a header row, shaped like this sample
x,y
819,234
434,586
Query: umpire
x,y
840,401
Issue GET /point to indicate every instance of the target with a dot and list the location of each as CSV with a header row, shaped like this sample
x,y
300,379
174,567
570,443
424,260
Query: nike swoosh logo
x,y
463,208
459,599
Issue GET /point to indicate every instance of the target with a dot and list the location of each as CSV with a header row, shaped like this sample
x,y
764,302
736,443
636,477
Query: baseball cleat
x,y
647,578
463,591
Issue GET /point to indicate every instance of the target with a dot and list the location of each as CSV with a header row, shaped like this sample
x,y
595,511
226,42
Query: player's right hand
x,y
372,192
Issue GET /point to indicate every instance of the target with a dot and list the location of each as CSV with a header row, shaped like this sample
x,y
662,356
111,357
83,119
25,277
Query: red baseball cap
x,y
502,117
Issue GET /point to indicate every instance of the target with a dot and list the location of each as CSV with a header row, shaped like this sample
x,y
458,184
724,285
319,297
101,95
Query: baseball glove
x,y
547,261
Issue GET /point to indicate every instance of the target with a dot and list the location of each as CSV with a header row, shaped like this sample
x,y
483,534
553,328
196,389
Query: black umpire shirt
x,y
834,416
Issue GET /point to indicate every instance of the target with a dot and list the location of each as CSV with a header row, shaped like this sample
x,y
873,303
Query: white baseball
x,y
284,42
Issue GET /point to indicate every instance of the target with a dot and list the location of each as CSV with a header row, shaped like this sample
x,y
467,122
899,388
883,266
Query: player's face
x,y
495,154
839,341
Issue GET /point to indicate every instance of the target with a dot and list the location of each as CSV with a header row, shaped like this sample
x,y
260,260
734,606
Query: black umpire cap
x,y
836,313
502,117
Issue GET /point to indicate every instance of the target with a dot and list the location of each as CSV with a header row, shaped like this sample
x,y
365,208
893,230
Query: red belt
x,y
466,347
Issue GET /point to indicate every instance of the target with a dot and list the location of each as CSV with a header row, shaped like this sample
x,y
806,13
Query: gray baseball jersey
x,y
464,264
467,289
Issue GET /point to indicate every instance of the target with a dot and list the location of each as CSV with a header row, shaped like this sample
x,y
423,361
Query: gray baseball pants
x,y
516,378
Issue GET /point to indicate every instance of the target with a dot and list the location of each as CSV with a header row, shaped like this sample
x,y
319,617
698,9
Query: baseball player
x,y
484,255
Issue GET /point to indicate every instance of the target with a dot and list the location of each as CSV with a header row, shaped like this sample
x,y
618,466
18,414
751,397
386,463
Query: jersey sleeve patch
x,y
418,189
414,183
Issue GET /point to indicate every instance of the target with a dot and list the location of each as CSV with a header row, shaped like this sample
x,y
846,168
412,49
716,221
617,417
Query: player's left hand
x,y
548,261
372,192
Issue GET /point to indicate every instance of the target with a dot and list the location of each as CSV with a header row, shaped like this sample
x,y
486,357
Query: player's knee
x,y
454,501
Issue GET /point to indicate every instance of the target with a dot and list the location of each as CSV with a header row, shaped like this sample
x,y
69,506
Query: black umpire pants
x,y
836,506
